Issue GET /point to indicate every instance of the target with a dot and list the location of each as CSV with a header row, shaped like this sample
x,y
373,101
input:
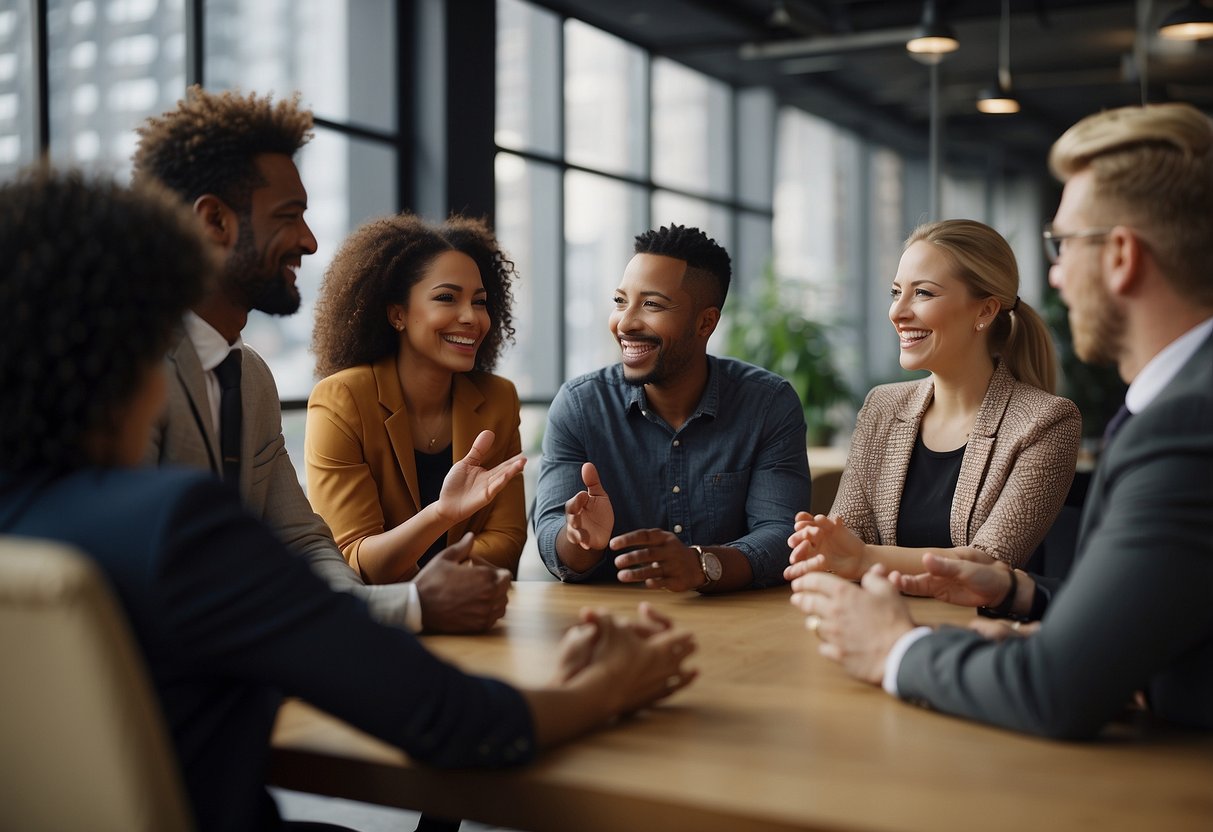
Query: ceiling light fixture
x,y
934,38
998,99
1191,22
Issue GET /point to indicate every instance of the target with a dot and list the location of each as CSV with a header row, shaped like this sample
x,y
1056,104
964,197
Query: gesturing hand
x,y
460,593
659,559
589,516
469,486
857,624
824,544
958,581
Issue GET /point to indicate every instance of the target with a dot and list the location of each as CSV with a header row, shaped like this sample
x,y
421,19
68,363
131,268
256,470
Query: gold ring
x,y
813,623
673,681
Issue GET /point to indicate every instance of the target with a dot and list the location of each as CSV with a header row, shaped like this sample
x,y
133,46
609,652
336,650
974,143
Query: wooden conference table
x,y
770,737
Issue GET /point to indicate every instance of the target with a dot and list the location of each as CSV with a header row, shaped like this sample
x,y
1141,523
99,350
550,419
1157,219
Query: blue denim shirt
x,y
734,475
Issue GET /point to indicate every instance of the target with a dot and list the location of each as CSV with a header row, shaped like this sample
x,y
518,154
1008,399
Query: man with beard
x,y
1130,248
674,469
231,159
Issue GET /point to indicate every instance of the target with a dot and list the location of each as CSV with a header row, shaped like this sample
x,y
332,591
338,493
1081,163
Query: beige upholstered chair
x,y
82,741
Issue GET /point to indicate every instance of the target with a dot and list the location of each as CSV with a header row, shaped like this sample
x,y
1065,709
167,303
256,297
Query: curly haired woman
x,y
411,441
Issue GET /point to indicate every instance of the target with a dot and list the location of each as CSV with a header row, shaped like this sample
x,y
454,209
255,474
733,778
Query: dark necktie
x,y
228,373
1115,424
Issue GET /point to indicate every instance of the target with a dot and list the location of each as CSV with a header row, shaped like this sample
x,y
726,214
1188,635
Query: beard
x,y
258,284
671,361
1097,324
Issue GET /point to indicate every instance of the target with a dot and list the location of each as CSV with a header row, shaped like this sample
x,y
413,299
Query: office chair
x,y
83,744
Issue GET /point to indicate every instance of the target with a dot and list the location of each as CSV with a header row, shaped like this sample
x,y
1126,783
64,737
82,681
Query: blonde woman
x,y
973,461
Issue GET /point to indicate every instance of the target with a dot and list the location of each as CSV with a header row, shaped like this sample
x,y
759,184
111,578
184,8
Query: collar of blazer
x,y
188,368
978,449
466,400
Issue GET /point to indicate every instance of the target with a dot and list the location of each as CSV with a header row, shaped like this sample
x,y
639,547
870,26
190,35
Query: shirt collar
x,y
708,402
211,347
1163,367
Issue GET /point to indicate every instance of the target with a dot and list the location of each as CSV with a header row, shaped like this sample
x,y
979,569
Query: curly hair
x,y
707,261
209,144
378,265
85,307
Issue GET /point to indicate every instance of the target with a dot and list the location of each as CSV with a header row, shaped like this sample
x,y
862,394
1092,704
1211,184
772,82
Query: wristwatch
x,y
710,564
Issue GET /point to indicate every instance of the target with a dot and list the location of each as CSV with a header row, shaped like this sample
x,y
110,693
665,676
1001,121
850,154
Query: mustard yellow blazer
x,y
361,474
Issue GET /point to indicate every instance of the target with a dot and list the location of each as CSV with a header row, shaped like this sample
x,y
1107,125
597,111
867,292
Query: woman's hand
x,y
824,544
469,486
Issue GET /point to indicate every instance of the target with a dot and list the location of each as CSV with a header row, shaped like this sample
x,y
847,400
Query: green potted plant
x,y
768,332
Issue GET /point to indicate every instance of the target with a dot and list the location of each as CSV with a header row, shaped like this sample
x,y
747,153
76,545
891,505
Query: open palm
x,y
469,486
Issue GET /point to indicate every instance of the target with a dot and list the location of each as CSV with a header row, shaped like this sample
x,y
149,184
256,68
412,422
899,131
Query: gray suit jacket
x,y
1136,613
269,485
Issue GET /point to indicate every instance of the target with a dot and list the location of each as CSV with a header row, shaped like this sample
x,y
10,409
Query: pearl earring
x,y
981,326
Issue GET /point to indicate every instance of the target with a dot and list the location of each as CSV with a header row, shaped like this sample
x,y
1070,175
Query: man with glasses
x,y
1131,247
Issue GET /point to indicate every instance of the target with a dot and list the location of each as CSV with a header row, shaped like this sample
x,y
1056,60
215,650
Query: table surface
x,y
770,737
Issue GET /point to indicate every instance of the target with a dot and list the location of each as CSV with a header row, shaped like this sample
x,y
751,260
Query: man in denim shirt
x,y
674,468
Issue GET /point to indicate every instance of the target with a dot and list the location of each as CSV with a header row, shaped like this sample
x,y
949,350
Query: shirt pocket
x,y
725,498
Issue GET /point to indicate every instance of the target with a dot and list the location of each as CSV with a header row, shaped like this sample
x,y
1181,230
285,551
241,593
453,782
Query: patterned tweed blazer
x,y
1018,465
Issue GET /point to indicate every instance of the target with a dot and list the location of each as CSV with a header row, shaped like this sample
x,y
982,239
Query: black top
x,y
924,517
431,471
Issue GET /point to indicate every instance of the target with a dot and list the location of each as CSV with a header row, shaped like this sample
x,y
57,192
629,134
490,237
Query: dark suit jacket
x,y
269,484
1137,610
361,472
230,622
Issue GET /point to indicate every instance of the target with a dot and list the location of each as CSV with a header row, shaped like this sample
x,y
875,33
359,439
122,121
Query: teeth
x,y
460,339
635,348
913,334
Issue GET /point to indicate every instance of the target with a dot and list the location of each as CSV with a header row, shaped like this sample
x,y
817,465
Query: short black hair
x,y
707,261
209,144
85,306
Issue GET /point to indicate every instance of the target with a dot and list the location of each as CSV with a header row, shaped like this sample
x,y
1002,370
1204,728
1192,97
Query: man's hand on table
x,y
460,593
659,559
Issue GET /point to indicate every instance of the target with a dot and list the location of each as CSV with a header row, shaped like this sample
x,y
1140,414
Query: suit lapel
x,y
978,450
396,423
188,368
900,446
466,400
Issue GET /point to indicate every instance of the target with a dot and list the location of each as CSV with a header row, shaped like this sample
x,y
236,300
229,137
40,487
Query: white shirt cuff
x,y
412,611
892,662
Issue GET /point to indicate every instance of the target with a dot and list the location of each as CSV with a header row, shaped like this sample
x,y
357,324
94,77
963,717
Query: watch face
x,y
711,566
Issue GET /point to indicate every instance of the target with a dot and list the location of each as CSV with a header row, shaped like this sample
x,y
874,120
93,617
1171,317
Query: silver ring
x,y
673,681
813,623
657,566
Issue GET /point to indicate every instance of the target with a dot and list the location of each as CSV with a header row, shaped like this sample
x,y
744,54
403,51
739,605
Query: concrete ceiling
x,y
845,60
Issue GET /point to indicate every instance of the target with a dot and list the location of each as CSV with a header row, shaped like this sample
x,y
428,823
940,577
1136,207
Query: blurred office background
x,y
801,134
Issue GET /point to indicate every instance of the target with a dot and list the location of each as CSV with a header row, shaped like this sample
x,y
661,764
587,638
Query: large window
x,y
598,141
112,63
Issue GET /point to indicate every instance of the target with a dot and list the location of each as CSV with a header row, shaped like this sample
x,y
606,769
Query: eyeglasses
x,y
1053,241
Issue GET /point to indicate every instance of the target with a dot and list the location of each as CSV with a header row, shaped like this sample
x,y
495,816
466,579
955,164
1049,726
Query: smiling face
x,y
273,238
934,313
447,314
656,320
1096,322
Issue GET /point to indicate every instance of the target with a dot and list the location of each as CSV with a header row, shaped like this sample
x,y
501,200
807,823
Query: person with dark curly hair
x,y
227,619
411,440
674,469
230,157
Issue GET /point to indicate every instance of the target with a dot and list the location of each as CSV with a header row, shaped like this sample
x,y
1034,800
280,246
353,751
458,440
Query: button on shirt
x,y
734,475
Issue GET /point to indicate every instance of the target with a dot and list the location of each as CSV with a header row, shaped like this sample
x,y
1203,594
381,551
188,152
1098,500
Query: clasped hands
x,y
657,557
633,662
